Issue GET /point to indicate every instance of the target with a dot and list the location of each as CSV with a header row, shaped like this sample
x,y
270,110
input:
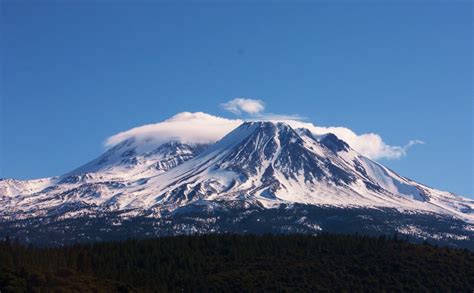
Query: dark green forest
x,y
224,263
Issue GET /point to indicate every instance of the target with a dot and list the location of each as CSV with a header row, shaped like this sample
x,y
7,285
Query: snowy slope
x,y
259,163
131,158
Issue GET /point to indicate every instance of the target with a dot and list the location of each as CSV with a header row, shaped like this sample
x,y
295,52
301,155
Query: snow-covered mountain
x,y
258,168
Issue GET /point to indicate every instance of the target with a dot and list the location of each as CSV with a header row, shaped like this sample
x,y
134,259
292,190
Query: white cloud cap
x,y
186,127
239,105
205,128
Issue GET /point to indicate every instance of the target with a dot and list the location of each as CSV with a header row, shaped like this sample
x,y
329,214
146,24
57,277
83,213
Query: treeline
x,y
221,263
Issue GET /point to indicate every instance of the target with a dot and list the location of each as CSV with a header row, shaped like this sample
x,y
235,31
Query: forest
x,y
229,262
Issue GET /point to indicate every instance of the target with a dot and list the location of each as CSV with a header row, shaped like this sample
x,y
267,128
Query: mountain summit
x,y
257,172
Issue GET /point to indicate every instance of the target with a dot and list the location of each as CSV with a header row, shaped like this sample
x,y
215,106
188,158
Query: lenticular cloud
x,y
200,127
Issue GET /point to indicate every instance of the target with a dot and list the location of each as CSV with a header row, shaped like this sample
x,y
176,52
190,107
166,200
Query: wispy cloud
x,y
278,117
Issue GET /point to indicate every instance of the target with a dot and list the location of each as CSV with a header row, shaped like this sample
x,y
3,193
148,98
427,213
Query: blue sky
x,y
74,74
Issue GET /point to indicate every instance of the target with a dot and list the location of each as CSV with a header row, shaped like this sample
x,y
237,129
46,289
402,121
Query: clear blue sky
x,y
74,74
